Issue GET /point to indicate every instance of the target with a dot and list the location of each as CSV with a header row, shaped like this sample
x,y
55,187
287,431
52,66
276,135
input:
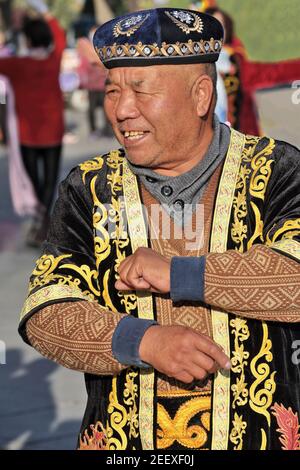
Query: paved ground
x,y
41,404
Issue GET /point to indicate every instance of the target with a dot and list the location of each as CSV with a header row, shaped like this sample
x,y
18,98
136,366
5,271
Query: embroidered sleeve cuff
x,y
126,340
187,278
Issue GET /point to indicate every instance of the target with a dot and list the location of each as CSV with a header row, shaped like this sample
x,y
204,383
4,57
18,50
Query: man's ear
x,y
204,91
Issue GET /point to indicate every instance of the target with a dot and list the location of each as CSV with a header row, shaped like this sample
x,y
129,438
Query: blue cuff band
x,y
187,278
126,340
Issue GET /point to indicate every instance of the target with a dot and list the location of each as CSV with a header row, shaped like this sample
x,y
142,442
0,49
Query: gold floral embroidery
x,y
263,445
91,165
114,161
261,167
105,294
90,276
239,228
180,429
117,420
43,271
289,230
236,434
129,301
239,361
102,246
117,216
47,271
259,225
261,398
130,399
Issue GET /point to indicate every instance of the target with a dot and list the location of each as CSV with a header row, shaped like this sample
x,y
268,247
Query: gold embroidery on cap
x,y
186,21
128,26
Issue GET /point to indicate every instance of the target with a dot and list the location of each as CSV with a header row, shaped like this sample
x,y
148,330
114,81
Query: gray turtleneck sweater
x,y
179,196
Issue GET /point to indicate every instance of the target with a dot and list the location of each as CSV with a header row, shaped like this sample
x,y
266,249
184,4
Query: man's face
x,y
153,113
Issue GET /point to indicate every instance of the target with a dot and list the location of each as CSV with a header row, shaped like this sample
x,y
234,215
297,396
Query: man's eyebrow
x,y
137,83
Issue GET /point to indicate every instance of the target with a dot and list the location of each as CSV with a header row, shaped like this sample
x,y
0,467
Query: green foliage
x,y
65,10
268,28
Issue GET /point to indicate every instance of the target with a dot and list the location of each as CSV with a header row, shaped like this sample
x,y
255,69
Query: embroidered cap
x,y
159,36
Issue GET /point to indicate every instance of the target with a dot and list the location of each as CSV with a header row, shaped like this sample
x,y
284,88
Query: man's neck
x,y
196,153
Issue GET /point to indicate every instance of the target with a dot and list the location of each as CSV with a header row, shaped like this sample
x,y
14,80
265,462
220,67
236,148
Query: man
x,y
186,341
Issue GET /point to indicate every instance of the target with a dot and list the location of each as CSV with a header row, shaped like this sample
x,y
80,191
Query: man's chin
x,y
139,159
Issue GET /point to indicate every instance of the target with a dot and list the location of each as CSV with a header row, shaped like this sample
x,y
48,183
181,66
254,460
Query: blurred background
x,y
51,118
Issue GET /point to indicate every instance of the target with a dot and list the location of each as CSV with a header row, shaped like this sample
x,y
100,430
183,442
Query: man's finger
x,y
205,362
214,352
139,284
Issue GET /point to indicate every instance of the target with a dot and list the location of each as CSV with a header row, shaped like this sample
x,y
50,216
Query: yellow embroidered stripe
x,y
138,237
218,244
289,246
52,293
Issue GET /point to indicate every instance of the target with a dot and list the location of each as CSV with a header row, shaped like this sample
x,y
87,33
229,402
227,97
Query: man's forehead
x,y
140,75
137,75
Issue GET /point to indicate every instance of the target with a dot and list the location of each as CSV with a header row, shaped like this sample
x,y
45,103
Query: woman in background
x,y
39,107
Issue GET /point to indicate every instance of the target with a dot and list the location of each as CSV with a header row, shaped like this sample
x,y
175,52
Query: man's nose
x,y
127,106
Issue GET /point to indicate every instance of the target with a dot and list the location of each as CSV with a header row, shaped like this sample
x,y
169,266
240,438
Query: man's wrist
x,y
127,338
146,344
187,278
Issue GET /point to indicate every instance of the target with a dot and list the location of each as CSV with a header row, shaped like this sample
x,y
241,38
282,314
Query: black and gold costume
x,y
252,239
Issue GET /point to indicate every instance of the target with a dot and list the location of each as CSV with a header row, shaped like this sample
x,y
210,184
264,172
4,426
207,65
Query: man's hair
x,y
211,70
38,33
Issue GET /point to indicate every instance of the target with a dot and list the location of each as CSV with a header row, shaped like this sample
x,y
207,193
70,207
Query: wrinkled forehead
x,y
159,73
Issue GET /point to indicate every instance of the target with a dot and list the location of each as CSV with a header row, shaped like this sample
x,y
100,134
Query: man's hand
x,y
145,270
180,352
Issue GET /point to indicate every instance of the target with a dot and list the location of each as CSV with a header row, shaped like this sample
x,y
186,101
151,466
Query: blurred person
x,y
229,84
246,76
39,107
92,78
183,345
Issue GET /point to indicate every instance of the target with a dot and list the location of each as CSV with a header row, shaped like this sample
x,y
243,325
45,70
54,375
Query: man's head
x,y
161,84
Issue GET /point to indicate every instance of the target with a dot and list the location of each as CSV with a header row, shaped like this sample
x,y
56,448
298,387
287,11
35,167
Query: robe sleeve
x,y
66,269
264,282
282,204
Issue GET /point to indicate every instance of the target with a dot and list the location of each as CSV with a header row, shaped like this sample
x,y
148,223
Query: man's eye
x,y
141,93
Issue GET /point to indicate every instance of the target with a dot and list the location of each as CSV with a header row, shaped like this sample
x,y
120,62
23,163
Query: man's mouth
x,y
134,135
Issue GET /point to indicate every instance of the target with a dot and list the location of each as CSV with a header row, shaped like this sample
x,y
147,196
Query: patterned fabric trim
x,y
145,51
50,293
289,246
218,244
138,237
